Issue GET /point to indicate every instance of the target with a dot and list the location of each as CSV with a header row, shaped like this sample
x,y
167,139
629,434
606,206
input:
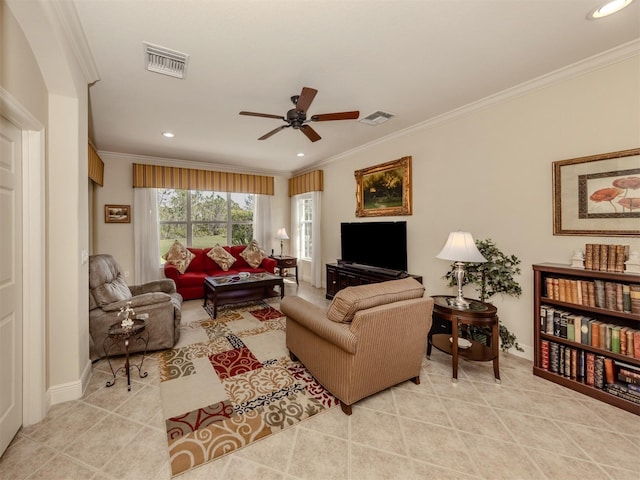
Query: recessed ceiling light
x,y
300,154
168,134
608,8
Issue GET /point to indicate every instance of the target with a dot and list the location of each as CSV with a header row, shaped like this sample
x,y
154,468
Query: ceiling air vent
x,y
165,61
376,118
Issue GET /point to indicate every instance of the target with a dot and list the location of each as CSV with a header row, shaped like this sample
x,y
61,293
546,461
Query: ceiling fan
x,y
297,116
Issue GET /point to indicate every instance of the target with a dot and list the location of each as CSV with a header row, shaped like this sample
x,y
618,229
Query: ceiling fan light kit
x,y
297,116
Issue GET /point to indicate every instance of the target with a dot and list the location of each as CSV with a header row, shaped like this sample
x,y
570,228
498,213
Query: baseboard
x,y
66,392
527,354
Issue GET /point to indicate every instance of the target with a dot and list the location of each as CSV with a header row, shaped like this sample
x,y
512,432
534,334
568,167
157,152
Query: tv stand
x,y
344,275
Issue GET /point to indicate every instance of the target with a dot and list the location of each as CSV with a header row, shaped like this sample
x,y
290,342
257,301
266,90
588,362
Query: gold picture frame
x,y
385,189
117,214
598,195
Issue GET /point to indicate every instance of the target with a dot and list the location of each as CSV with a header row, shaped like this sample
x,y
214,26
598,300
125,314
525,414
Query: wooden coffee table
x,y
228,289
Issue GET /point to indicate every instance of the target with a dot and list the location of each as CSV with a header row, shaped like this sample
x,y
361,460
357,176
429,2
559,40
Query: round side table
x,y
118,334
478,314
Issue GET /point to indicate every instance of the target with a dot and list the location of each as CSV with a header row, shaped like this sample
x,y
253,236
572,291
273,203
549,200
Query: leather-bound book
x,y
611,259
544,354
588,256
608,371
595,334
604,257
591,368
620,258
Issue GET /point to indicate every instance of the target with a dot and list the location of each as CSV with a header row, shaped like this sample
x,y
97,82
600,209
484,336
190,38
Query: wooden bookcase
x,y
608,316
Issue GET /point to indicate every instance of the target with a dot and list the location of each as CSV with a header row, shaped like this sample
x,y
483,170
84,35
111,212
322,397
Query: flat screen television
x,y
377,244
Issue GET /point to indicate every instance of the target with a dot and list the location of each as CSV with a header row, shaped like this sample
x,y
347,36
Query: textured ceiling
x,y
415,59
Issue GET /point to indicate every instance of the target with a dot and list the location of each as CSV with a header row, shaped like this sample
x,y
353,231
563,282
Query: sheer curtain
x,y
316,235
294,234
262,231
146,235
316,240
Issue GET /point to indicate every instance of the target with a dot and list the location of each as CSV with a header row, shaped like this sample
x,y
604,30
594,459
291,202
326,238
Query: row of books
x,y
615,296
589,331
606,258
616,378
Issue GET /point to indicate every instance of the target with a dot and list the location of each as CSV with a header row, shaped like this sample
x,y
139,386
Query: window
x,y
201,218
305,218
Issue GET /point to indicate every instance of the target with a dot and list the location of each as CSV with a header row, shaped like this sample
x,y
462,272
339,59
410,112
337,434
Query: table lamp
x,y
460,248
282,235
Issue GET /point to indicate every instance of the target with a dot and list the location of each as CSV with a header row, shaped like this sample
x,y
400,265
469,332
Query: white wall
x,y
19,72
489,172
114,238
65,77
117,238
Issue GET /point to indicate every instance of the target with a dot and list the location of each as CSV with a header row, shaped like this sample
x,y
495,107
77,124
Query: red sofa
x,y
190,284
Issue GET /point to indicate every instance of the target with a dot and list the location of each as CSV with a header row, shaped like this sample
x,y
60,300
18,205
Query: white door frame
x,y
34,265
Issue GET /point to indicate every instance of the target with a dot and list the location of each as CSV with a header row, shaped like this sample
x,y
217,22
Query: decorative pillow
x,y
179,256
350,300
223,258
253,255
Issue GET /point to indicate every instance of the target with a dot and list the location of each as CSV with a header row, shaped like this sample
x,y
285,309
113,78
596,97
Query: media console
x,y
346,275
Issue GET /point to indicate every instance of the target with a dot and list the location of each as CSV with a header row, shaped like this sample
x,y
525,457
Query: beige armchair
x,y
108,292
373,337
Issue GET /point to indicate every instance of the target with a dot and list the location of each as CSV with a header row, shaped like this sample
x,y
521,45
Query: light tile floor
x,y
523,428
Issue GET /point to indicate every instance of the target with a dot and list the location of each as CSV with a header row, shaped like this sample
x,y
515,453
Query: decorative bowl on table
x,y
462,342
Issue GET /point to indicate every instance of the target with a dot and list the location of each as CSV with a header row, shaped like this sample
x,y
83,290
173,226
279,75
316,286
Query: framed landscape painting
x,y
597,195
117,213
384,190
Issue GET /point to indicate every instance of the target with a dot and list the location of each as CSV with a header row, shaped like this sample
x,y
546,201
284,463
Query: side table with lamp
x,y
460,312
284,262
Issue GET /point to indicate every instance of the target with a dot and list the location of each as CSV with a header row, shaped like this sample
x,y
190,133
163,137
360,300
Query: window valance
x,y
157,176
96,166
307,182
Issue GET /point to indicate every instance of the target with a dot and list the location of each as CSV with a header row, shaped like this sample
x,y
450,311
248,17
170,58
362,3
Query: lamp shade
x,y
460,247
282,234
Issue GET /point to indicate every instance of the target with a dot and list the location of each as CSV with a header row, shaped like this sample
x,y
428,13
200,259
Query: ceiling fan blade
x,y
265,115
306,97
273,132
310,133
336,116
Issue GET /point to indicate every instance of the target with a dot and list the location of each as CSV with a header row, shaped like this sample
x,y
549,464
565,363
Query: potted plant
x,y
496,275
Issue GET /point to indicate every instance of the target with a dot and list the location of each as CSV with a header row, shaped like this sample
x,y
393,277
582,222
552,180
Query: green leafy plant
x,y
496,275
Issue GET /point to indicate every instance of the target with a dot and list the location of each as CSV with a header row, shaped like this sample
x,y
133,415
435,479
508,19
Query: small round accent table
x,y
117,334
478,314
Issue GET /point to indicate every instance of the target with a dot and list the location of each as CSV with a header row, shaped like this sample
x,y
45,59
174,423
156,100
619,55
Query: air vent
x,y
376,118
165,61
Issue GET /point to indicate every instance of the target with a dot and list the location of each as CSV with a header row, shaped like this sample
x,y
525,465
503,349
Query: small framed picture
x,y
117,214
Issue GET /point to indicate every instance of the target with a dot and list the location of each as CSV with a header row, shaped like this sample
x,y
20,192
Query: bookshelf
x,y
587,338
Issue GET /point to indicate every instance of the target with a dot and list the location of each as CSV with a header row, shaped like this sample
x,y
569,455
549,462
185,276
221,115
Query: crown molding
x,y
66,16
175,162
595,62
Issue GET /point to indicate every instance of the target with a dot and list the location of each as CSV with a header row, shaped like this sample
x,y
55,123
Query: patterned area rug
x,y
230,382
